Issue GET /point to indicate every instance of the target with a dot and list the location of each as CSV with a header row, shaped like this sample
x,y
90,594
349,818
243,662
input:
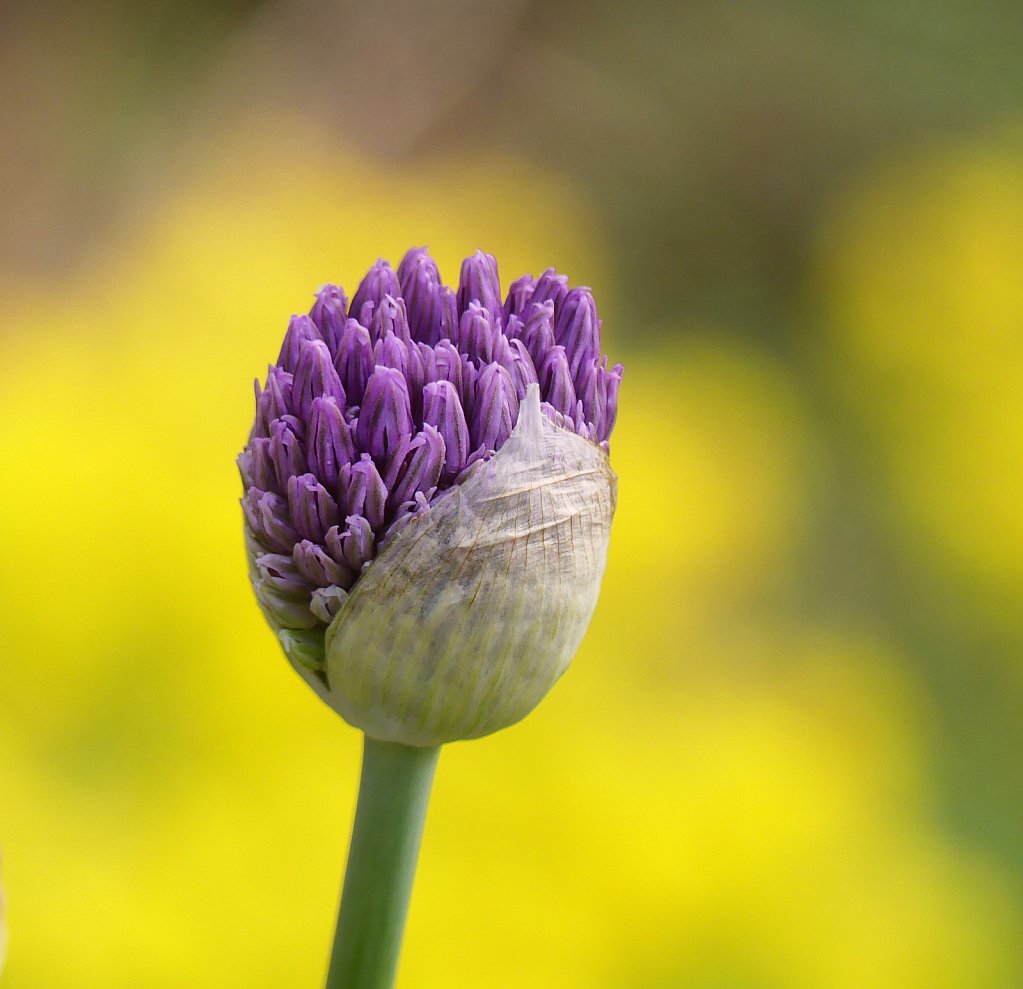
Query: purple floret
x,y
374,409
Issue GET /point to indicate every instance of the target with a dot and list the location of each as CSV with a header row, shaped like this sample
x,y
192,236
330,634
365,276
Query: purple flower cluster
x,y
374,409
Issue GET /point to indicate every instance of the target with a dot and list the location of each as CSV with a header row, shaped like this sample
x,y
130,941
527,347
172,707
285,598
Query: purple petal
x,y
331,445
614,380
593,395
480,282
423,292
496,408
385,417
380,280
355,545
538,331
267,515
301,330
393,352
478,334
354,363
519,365
256,466
390,317
313,511
445,364
422,467
578,330
274,401
315,377
317,566
361,491
556,384
280,573
286,452
330,313
550,286
448,328
519,293
443,410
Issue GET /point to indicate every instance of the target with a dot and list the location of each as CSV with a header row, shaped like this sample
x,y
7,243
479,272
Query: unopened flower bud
x,y
443,411
556,381
385,418
421,467
479,282
355,545
330,445
380,281
313,510
269,520
301,330
319,567
315,377
330,313
272,401
446,364
286,451
420,284
354,362
519,365
519,293
476,334
537,332
390,317
496,408
257,469
578,330
550,286
428,496
361,491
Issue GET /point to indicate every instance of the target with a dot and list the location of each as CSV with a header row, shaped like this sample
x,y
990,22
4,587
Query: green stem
x,y
393,794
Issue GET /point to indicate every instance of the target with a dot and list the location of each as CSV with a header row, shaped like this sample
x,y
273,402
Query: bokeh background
x,y
789,754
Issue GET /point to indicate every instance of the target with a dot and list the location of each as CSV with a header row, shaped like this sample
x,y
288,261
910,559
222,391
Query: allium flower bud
x,y
428,496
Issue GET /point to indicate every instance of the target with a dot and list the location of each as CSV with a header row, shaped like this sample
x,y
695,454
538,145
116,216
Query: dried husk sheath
x,y
476,607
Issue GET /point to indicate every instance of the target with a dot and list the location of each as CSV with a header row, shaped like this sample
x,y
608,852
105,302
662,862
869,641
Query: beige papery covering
x,y
476,607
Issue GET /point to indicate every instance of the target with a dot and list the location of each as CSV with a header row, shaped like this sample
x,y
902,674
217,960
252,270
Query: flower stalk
x,y
393,795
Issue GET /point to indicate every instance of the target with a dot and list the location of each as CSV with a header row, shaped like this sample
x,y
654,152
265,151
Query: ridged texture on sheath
x,y
472,612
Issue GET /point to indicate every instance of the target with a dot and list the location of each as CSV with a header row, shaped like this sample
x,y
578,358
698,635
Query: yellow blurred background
x,y
788,754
